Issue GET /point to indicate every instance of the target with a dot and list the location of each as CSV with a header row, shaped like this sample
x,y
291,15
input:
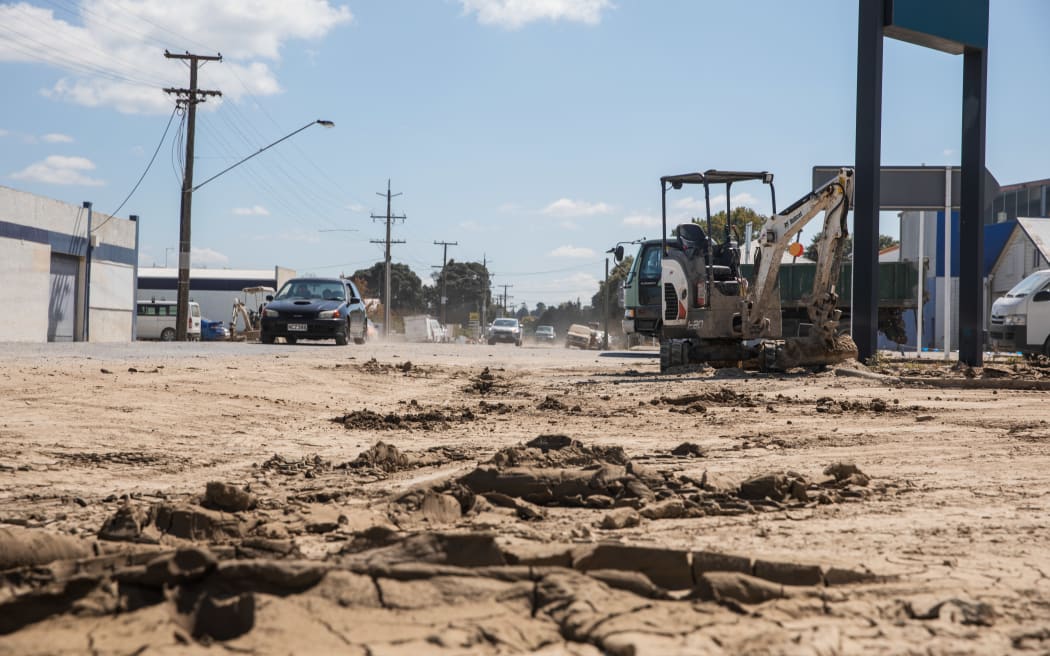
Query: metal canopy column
x,y
866,185
971,208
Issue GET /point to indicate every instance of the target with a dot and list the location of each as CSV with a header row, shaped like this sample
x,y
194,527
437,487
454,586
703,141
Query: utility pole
x,y
444,263
505,297
187,99
389,218
484,291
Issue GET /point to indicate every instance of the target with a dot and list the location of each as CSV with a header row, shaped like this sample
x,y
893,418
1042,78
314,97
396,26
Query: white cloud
x,y
508,207
112,53
569,207
718,203
357,208
254,210
3,132
572,251
642,220
513,14
60,170
948,152
207,257
55,137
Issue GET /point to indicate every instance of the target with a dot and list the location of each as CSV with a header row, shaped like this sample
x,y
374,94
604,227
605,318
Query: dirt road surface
x,y
460,499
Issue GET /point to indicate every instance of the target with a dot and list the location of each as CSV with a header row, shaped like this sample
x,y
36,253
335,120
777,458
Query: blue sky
x,y
532,132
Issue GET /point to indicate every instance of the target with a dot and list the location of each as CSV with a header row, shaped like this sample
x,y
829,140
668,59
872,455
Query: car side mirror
x,y
618,253
1041,296
269,297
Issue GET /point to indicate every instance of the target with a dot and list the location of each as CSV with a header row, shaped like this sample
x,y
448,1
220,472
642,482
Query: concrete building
x,y
213,289
56,283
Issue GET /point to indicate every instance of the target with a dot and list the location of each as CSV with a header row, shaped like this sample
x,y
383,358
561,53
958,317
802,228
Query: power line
x,y
143,176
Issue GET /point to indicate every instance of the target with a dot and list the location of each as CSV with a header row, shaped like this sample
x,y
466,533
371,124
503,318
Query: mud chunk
x,y
129,524
386,457
224,496
525,510
688,450
620,518
37,605
633,582
841,576
224,618
184,565
847,473
194,523
713,561
734,586
673,508
789,573
551,403
957,611
771,486
440,508
23,547
666,568
718,483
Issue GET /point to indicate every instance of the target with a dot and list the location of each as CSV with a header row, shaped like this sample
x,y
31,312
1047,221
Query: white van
x,y
156,320
1021,319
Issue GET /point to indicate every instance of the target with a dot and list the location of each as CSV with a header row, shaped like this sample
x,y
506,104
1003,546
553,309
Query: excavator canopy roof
x,y
712,176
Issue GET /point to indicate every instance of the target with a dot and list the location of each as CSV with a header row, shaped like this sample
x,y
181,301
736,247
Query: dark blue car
x,y
315,308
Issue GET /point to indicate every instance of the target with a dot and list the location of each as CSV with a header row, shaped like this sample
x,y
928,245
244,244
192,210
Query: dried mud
x,y
383,508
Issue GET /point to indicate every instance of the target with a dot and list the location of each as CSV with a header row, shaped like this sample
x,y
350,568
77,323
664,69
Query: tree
x,y
466,285
616,277
885,241
405,285
742,216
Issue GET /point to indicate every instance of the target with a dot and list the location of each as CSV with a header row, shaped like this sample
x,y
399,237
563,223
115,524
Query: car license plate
x,y
298,327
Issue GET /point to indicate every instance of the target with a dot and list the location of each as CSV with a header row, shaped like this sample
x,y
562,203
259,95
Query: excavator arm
x,y
833,198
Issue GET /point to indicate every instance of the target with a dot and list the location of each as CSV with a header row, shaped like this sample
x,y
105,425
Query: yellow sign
x,y
474,316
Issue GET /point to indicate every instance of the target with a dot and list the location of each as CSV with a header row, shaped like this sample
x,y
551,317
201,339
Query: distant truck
x,y
422,328
898,283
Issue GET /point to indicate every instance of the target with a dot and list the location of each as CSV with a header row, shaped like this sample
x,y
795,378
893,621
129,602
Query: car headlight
x,y
1015,319
271,313
329,314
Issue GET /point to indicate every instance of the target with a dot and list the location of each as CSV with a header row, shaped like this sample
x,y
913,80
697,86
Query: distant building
x,y
61,279
1012,227
213,289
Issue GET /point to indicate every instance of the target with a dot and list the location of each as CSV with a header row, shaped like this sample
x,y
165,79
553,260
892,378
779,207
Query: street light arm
x,y
327,124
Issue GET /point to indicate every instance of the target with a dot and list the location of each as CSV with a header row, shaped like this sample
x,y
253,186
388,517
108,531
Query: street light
x,y
183,296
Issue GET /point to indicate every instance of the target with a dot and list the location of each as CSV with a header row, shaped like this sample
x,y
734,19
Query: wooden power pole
x,y
187,99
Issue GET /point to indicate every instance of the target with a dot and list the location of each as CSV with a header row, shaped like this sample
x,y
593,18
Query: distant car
x,y
315,308
505,330
545,334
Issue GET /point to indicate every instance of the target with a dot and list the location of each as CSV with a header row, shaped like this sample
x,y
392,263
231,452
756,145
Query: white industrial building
x,y
213,289
57,283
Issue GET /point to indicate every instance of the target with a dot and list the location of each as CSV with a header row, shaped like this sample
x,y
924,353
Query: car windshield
x,y
506,323
545,329
328,290
1030,284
